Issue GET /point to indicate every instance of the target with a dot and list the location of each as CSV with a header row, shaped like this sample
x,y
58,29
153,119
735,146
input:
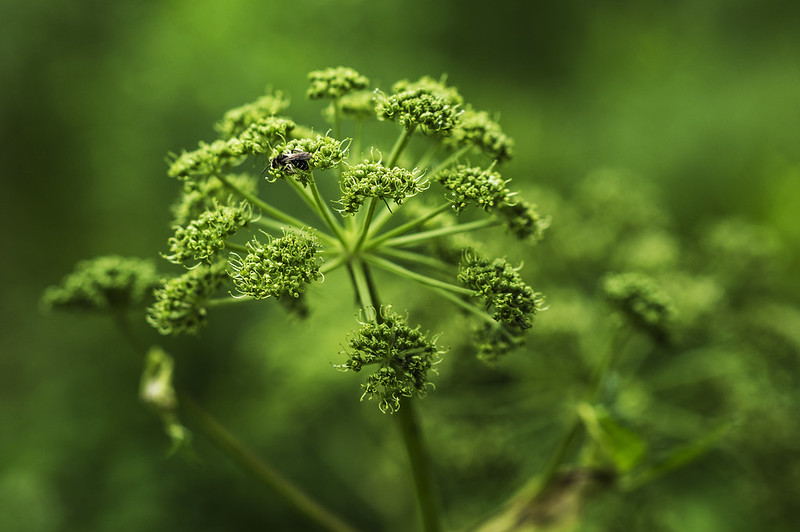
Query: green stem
x,y
325,211
238,248
420,465
366,223
456,155
266,208
265,474
416,238
408,226
617,340
227,301
228,443
417,258
423,279
400,145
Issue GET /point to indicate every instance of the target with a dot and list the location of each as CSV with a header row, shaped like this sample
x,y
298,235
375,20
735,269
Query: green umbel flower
x,y
478,129
282,267
200,196
474,186
323,153
335,83
239,119
403,358
202,238
374,180
181,302
641,301
426,103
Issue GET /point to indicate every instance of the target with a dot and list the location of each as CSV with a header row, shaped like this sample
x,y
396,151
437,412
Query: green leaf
x,y
620,444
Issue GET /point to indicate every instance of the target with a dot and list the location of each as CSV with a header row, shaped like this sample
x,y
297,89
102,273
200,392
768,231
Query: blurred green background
x,y
700,99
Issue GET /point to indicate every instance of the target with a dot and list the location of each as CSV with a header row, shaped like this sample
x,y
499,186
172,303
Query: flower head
x,y
102,284
202,238
181,302
200,196
641,301
426,103
238,120
470,185
209,159
505,295
523,220
324,152
335,82
478,129
403,357
281,267
374,180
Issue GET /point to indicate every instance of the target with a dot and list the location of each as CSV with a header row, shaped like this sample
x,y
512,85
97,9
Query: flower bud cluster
x,y
374,180
358,104
102,284
478,129
335,82
261,135
403,357
325,153
204,237
282,267
238,120
200,196
472,185
427,103
640,299
505,295
523,220
181,302
209,159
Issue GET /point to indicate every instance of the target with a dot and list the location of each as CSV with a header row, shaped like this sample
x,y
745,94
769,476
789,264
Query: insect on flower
x,y
291,162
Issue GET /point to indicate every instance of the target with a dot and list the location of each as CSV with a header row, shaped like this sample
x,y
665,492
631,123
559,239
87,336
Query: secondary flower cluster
x,y
403,357
204,237
181,302
511,303
374,180
426,103
281,267
642,302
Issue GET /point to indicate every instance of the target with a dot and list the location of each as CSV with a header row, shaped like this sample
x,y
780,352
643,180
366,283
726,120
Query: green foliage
x,y
103,284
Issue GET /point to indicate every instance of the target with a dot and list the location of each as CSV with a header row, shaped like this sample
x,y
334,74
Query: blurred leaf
x,y
620,444
678,457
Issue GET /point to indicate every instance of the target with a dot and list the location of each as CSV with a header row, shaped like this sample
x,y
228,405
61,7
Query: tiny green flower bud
x,y
523,220
505,294
358,104
403,355
202,238
155,386
335,82
292,158
281,267
374,180
641,301
180,306
427,103
494,341
476,128
484,188
103,284
238,120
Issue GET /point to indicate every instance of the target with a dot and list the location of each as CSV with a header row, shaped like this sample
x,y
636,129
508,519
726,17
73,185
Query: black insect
x,y
291,162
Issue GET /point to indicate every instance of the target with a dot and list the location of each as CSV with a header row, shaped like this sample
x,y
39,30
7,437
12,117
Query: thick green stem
x,y
408,226
400,145
266,208
416,238
325,211
261,471
366,223
420,465
423,279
